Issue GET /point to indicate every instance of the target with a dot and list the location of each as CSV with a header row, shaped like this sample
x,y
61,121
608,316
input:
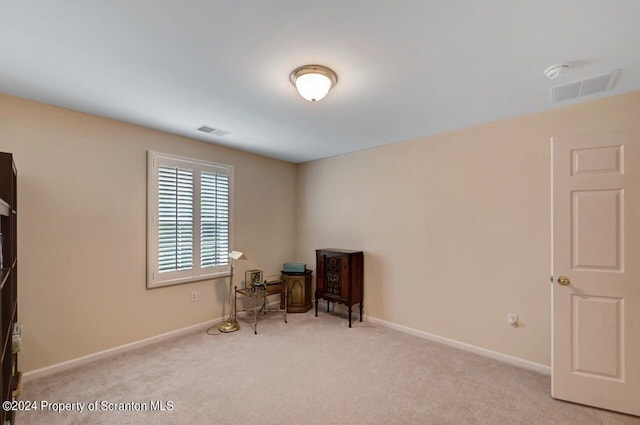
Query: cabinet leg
x,y
328,305
361,307
316,306
350,311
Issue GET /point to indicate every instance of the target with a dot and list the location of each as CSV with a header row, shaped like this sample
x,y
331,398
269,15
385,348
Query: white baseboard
x,y
515,361
60,367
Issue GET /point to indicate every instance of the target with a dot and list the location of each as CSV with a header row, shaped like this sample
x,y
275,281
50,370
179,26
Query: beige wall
x,y
455,227
82,215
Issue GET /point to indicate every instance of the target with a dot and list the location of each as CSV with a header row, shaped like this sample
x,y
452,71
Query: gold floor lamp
x,y
231,325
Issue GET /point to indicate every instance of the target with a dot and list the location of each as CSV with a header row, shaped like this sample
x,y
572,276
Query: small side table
x,y
261,293
298,285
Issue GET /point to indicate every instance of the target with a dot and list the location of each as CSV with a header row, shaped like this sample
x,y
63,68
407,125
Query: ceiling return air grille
x,y
214,131
584,87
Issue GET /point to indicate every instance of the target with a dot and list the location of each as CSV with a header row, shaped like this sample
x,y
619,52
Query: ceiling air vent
x,y
584,87
214,131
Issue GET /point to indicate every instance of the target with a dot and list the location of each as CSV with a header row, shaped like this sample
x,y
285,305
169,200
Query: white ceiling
x,y
406,68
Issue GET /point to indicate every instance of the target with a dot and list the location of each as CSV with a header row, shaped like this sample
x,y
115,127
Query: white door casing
x,y
596,245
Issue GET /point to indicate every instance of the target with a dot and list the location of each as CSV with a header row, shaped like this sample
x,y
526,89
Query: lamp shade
x,y
237,255
313,81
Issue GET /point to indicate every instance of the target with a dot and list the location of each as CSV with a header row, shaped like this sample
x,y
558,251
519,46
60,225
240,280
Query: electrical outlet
x,y
194,296
512,319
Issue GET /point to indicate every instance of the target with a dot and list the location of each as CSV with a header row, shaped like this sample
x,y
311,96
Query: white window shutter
x,y
214,219
189,219
175,219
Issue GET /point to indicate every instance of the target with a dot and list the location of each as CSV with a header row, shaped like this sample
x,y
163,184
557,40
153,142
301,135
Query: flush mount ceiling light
x,y
554,71
313,81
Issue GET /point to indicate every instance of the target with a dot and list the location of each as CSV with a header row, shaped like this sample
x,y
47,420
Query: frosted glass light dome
x,y
313,81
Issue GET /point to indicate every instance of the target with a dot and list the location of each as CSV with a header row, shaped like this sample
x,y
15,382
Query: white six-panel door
x,y
596,270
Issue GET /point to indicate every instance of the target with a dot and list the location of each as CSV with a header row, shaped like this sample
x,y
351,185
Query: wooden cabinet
x,y
9,375
299,291
339,278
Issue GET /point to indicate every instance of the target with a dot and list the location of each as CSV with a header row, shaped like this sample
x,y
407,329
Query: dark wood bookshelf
x,y
4,276
10,377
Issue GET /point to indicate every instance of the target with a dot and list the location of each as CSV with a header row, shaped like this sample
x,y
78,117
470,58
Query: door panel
x,y
597,229
600,325
596,245
597,160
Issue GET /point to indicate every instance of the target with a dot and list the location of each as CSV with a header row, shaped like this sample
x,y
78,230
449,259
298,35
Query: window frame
x,y
155,279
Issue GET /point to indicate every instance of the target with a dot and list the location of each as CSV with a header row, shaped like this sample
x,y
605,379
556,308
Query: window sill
x,y
184,280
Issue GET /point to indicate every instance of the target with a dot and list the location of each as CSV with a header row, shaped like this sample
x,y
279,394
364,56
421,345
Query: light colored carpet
x,y
309,371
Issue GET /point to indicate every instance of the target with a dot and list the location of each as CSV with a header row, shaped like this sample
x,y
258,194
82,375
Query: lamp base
x,y
228,326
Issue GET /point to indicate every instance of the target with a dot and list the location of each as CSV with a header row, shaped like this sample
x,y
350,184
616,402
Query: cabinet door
x,y
295,286
334,270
